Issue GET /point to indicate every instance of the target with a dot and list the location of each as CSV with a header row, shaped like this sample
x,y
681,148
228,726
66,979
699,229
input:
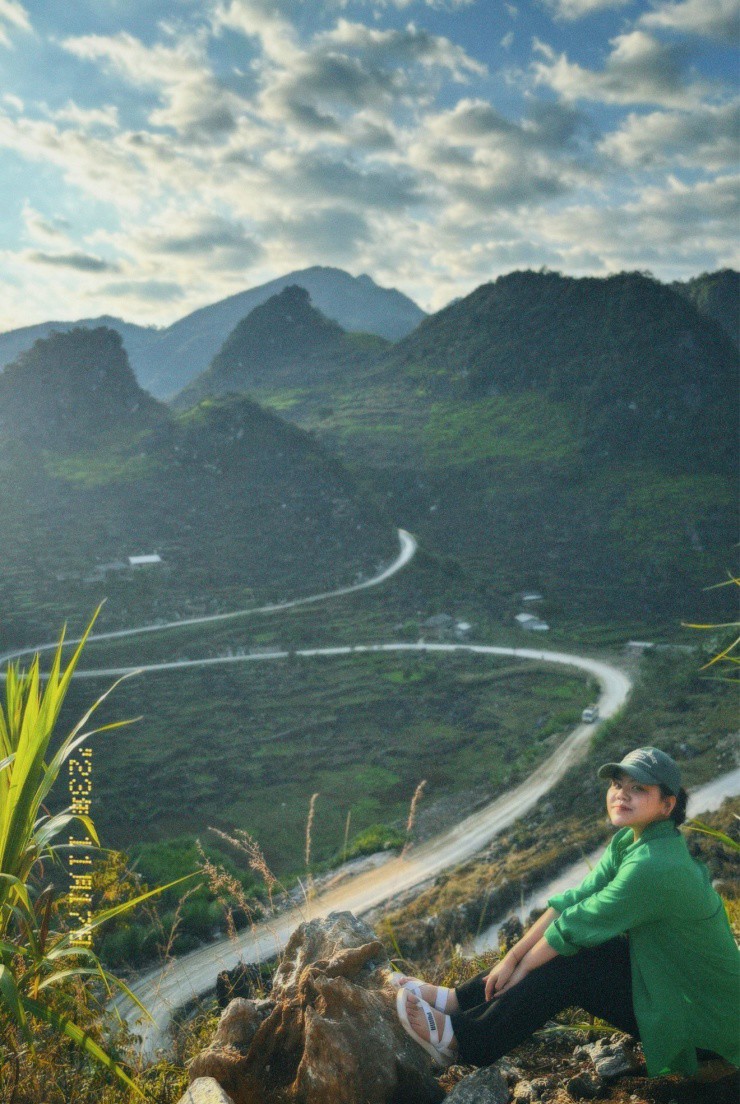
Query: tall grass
x,y
41,959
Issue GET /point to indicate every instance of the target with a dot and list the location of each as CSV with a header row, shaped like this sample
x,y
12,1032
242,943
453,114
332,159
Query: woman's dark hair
x,y
678,816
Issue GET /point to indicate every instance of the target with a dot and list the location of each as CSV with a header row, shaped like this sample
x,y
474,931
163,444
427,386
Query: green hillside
x,y
284,342
716,294
573,436
238,505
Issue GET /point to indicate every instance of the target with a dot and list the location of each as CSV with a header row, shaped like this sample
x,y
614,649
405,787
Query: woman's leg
x,y
597,979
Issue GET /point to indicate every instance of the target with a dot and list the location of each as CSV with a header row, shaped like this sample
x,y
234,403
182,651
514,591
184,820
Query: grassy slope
x,y
246,746
570,436
241,507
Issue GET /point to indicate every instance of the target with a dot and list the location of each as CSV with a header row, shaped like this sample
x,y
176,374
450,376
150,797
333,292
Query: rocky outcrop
x,y
485,1086
205,1091
328,1032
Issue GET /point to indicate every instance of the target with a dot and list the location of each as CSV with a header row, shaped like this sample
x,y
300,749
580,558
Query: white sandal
x,y
414,986
438,1048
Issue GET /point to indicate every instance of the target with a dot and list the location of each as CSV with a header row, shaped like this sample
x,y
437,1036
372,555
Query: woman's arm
x,y
502,973
536,956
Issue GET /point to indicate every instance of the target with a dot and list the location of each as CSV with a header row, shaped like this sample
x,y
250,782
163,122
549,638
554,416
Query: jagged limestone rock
x,y
329,1031
485,1086
523,1093
239,1023
585,1086
611,1057
205,1091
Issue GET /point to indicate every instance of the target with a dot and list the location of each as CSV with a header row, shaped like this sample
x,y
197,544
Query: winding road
x,y
408,547
164,990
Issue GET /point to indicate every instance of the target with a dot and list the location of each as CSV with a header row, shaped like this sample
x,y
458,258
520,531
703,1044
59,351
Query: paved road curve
x,y
163,991
407,551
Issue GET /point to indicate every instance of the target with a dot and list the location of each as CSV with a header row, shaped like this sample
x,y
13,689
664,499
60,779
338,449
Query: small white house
x,y
145,561
532,596
637,647
530,623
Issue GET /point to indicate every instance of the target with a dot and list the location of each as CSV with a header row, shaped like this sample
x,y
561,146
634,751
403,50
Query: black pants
x,y
597,979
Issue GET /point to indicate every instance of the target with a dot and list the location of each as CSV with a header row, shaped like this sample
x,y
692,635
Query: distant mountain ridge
x,y
716,294
646,370
166,360
238,504
285,342
574,436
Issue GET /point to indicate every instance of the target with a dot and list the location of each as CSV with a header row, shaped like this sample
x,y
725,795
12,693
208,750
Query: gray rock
x,y
239,1023
205,1091
329,1034
523,1093
611,1058
485,1086
317,941
585,1086
511,1073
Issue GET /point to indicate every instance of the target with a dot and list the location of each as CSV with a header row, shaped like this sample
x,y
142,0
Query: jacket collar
x,y
658,829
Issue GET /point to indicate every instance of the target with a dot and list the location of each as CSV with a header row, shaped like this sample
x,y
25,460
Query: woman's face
x,y
632,804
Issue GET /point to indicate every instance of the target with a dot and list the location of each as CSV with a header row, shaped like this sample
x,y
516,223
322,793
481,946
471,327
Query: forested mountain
x,y
716,294
646,375
72,390
286,342
165,360
576,436
238,504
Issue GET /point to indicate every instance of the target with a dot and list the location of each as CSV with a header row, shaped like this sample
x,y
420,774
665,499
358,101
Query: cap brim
x,y
610,769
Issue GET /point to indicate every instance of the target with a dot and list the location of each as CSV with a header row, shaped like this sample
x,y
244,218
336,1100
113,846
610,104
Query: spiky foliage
x,y
39,956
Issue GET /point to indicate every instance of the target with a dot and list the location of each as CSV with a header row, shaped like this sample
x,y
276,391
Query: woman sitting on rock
x,y
643,943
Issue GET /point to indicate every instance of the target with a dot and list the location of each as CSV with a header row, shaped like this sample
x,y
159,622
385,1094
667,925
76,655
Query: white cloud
x,y
577,9
80,262
704,138
85,117
192,240
639,69
719,19
352,85
193,102
13,16
439,5
265,20
482,159
675,227
40,229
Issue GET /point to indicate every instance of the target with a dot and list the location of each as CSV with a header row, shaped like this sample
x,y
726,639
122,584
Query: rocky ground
x,y
328,1033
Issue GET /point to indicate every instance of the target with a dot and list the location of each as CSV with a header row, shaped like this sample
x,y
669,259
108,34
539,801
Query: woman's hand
x,y
521,970
500,975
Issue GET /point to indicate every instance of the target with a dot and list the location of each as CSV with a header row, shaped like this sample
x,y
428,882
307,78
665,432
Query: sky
x,y
159,155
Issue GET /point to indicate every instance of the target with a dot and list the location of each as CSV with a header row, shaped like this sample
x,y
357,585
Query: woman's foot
x,y
439,996
429,1028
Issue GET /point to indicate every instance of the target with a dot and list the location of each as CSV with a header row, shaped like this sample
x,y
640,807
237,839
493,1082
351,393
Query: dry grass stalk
x,y
309,827
346,836
165,949
226,888
412,814
242,841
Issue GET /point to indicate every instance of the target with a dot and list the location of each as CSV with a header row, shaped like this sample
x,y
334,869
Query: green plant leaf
x,y
66,1026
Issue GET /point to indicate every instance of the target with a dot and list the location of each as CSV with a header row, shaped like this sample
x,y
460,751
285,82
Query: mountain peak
x,y
71,387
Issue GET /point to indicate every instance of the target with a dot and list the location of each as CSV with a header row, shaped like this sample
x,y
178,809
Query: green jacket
x,y
685,964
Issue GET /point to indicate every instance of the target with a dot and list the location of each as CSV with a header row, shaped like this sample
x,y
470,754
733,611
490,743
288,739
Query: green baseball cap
x,y
648,765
